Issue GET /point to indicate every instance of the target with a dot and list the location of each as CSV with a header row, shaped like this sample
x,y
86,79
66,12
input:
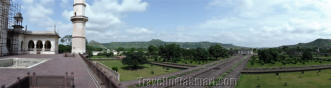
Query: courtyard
x,y
57,65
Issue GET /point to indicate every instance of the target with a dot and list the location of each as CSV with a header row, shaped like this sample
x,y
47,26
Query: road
x,y
206,75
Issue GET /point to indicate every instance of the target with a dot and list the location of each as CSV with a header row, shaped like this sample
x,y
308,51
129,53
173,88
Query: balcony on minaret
x,y
79,18
17,27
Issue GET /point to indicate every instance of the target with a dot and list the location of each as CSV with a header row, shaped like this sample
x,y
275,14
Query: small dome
x,y
18,14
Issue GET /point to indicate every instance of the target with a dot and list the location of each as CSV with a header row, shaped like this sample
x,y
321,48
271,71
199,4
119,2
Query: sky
x,y
249,23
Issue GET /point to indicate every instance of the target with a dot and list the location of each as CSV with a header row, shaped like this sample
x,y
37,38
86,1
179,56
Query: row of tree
x,y
284,55
173,53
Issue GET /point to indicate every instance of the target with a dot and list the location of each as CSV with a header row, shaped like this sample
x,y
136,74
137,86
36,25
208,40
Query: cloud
x,y
105,20
105,17
139,31
37,12
270,23
253,23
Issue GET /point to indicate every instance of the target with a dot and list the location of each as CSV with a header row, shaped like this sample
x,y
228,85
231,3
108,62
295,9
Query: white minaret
x,y
78,35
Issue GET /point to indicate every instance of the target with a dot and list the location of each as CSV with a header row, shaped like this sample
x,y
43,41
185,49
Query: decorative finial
x,y
26,27
54,27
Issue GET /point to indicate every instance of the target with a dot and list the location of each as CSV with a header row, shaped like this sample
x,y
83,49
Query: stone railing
x,y
285,69
108,78
113,73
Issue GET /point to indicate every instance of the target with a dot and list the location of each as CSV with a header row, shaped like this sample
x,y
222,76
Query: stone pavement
x,y
58,65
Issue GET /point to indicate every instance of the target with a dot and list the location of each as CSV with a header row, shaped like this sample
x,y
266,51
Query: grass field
x,y
99,57
146,71
310,79
278,64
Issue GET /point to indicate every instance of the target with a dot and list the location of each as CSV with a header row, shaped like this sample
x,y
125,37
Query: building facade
x,y
79,20
16,41
246,52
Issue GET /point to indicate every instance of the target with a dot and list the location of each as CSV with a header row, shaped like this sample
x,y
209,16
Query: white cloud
x,y
105,20
269,23
37,13
105,17
254,23
139,31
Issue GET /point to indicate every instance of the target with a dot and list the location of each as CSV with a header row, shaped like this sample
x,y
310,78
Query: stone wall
x,y
6,62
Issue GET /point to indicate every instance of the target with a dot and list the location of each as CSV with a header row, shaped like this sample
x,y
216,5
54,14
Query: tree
x,y
66,40
120,49
268,56
134,59
217,51
307,55
64,48
170,52
153,51
201,54
188,53
106,54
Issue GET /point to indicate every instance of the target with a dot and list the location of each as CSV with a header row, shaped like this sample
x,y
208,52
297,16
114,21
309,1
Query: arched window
x,y
31,45
48,45
39,45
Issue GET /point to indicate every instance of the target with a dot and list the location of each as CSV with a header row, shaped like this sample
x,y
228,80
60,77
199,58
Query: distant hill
x,y
156,42
318,43
96,44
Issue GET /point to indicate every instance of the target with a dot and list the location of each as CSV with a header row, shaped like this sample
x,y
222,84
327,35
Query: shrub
x,y
152,72
285,84
115,69
277,74
258,86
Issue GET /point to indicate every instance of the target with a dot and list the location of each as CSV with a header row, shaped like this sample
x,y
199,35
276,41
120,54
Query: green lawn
x,y
278,64
310,79
99,57
126,75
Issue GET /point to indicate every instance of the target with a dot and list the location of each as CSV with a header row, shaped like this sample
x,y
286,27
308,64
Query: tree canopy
x,y
134,59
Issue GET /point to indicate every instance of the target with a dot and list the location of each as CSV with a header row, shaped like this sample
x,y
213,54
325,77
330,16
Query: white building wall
x,y
36,38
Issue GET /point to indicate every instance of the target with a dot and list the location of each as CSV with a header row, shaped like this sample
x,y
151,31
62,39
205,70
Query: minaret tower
x,y
78,35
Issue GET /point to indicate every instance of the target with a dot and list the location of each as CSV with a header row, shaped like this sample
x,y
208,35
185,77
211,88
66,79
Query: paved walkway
x,y
204,77
56,66
232,79
172,65
134,82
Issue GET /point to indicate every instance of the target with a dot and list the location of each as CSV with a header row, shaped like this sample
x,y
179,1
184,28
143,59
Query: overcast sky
x,y
250,23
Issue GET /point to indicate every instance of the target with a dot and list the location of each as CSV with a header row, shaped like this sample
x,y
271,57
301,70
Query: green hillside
x,y
96,44
318,43
156,42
